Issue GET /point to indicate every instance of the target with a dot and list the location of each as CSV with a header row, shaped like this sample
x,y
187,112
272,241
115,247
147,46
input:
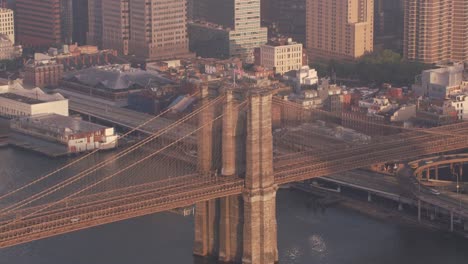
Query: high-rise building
x,y
158,29
233,23
435,30
339,29
286,17
94,34
38,23
388,24
145,29
115,25
66,21
7,24
49,22
80,21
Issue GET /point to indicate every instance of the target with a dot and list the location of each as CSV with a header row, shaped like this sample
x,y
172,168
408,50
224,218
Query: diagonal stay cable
x,y
83,157
116,173
88,171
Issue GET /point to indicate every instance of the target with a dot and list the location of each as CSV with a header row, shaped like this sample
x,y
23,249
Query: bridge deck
x,y
131,119
135,201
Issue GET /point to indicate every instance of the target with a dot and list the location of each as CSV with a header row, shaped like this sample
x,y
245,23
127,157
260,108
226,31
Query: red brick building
x,y
43,74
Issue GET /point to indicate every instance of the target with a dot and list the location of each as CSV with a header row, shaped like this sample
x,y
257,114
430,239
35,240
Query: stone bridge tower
x,y
242,228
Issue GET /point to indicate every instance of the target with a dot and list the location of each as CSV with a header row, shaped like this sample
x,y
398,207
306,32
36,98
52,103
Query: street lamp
x,y
458,190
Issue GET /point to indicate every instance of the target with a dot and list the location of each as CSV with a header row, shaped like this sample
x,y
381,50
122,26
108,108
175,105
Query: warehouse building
x,y
77,135
16,101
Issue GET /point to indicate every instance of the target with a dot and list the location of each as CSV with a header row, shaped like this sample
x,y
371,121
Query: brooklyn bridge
x,y
220,157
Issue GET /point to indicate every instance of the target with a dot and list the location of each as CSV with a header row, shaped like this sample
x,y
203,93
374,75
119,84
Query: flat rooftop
x,y
20,98
65,123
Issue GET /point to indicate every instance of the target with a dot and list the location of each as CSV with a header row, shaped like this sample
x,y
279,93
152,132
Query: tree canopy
x,y
378,67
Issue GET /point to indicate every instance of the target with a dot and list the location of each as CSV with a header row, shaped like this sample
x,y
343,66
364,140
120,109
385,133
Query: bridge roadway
x,y
98,209
304,165
131,119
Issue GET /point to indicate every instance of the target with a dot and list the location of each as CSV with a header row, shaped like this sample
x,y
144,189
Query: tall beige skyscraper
x,y
435,31
7,24
158,29
339,29
147,29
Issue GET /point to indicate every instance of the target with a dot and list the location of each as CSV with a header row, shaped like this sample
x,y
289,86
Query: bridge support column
x,y
231,208
436,168
230,135
205,135
369,197
400,207
206,225
260,233
206,213
230,229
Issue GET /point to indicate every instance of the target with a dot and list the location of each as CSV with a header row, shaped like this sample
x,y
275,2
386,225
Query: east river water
x,y
305,236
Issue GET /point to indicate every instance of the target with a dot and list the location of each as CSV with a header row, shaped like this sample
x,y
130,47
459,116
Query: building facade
x,y
80,21
115,25
238,18
440,83
38,23
388,24
15,101
8,51
339,29
94,33
146,29
282,57
158,29
286,17
435,30
7,24
43,73
77,135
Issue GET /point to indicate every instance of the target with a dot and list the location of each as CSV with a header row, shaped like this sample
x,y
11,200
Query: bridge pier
x,y
206,226
241,228
231,228
260,230
231,208
206,213
260,233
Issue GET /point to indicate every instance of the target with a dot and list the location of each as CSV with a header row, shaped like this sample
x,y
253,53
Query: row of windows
x,y
6,111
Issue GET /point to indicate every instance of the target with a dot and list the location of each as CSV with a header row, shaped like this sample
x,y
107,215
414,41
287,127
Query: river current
x,y
306,235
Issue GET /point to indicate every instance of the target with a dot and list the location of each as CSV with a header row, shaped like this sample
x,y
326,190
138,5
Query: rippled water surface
x,y
305,235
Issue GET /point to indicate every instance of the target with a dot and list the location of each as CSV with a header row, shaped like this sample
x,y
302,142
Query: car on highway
x,y
434,191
